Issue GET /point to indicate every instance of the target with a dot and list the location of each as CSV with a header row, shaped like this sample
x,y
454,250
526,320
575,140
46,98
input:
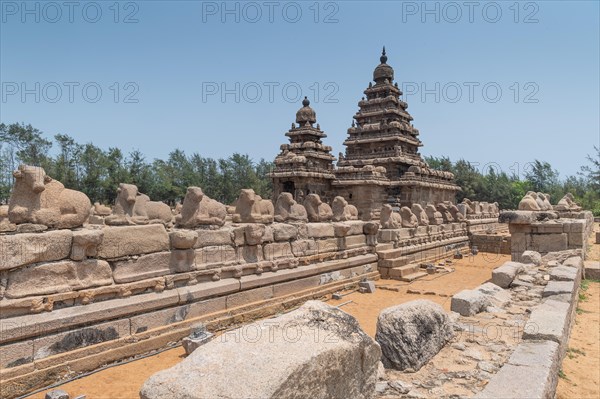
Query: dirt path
x,y
581,366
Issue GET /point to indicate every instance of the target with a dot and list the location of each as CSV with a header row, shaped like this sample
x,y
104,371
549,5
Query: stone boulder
x,y
531,257
316,351
37,198
412,333
504,275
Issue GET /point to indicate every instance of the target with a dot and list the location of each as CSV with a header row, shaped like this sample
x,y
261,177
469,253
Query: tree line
x,y
98,172
494,185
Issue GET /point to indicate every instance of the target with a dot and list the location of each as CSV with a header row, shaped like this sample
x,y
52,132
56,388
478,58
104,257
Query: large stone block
x,y
549,242
183,239
354,242
328,245
412,333
563,273
154,265
559,288
24,249
277,250
78,338
304,248
211,238
548,321
539,361
469,302
215,255
277,362
133,240
504,275
320,230
251,253
62,276
284,232
531,257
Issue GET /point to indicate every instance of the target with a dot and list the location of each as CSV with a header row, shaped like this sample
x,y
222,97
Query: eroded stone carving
x,y
419,212
408,218
85,243
5,224
317,210
133,207
389,219
200,210
251,208
287,209
101,210
456,215
567,203
342,210
435,217
529,202
37,198
446,215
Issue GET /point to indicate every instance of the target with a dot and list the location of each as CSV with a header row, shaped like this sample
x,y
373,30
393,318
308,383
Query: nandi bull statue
x,y
133,207
37,198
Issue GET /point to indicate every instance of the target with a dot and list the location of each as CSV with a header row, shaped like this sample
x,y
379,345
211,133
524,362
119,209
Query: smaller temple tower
x,y
305,165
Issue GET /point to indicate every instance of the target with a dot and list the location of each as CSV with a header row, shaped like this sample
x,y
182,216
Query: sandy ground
x,y
581,366
124,382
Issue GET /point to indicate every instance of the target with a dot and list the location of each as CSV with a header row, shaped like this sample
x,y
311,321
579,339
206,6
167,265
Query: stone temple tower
x,y
382,163
305,165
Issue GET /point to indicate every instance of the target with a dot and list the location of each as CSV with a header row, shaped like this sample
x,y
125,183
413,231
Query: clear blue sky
x,y
173,56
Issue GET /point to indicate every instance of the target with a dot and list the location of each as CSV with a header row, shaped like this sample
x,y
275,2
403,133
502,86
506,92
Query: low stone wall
x,y
546,232
66,290
400,247
545,337
492,243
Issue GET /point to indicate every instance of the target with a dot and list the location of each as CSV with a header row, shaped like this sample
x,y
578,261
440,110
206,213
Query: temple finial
x,y
305,102
383,57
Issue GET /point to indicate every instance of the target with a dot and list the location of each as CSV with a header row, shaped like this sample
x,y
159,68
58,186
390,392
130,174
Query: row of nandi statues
x,y
533,201
38,199
445,212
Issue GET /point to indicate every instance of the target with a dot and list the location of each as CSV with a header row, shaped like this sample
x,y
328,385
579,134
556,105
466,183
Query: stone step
x,y
391,253
384,247
412,277
403,271
397,262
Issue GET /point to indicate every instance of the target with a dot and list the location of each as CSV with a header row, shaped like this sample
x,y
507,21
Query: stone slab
x,y
559,288
24,249
592,269
21,327
548,321
538,361
62,276
133,240
81,337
